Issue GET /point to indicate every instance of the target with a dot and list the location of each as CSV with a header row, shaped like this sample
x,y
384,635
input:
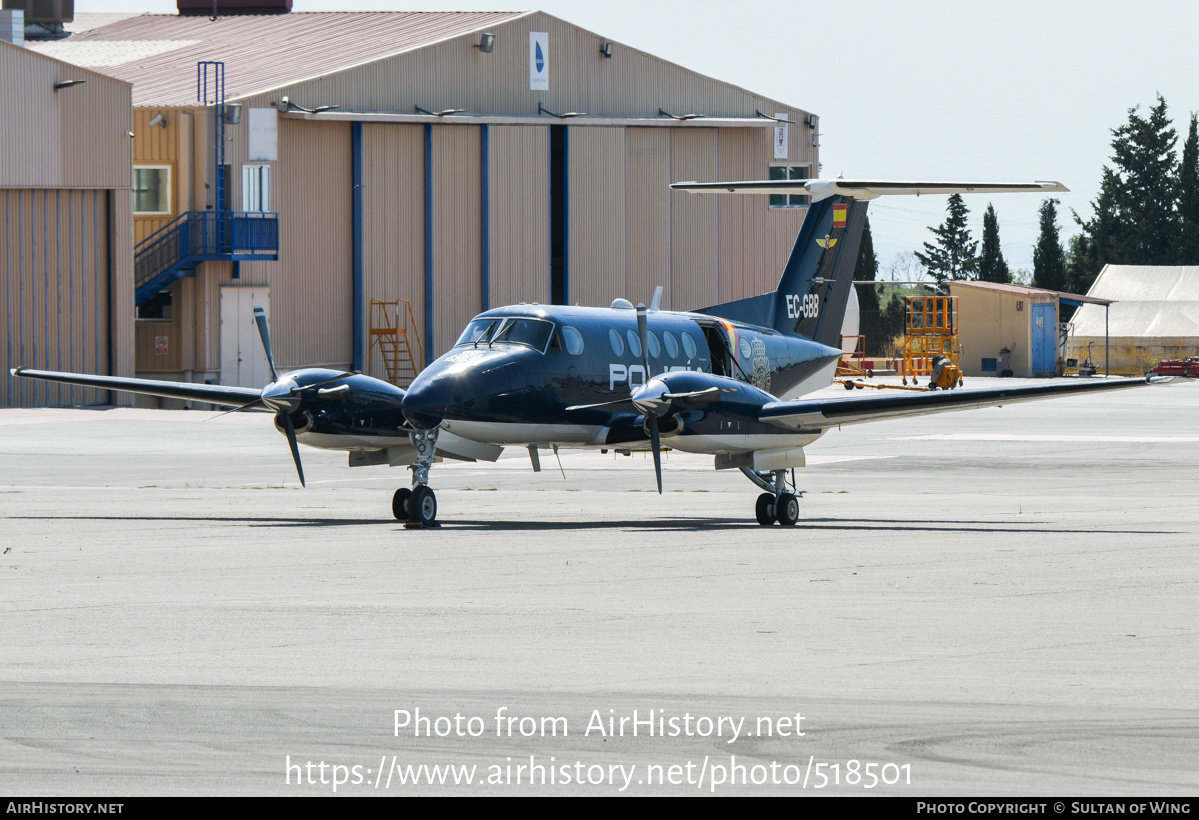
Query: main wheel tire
x,y
399,503
765,509
787,510
422,507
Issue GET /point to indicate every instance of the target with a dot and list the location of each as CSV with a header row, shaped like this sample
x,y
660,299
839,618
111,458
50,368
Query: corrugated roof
x,y
158,52
1149,301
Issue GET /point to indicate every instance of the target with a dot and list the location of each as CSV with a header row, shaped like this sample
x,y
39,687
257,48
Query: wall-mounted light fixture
x,y
606,50
681,117
232,113
285,105
486,42
158,119
443,113
811,121
541,109
59,86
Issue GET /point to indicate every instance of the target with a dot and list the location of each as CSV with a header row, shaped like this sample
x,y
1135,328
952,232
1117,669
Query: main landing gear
x,y
777,503
418,505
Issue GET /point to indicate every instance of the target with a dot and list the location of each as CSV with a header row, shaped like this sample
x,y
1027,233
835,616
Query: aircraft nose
x,y
426,401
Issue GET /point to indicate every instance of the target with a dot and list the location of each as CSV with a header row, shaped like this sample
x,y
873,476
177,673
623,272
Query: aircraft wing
x,y
822,414
211,393
864,189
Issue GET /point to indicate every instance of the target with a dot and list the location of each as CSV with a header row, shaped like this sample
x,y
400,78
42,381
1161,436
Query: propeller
x,y
652,411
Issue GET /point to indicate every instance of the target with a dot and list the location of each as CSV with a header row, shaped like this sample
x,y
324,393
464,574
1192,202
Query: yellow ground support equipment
x,y
390,326
930,342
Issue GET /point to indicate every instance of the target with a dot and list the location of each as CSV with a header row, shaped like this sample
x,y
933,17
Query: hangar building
x,y
66,256
456,160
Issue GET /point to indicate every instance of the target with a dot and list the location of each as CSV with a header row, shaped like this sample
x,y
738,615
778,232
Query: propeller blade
x,y
656,443
698,396
643,332
295,447
600,404
236,409
265,334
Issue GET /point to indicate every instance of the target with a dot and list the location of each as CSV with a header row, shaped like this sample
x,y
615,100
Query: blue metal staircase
x,y
173,251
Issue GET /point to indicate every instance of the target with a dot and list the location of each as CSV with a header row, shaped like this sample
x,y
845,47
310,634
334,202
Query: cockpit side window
x,y
532,333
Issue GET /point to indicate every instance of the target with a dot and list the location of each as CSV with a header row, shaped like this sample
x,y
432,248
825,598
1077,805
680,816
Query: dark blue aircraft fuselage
x,y
519,374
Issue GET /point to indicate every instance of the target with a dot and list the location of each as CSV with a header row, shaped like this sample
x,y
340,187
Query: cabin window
x,y
689,346
634,343
655,349
573,340
616,342
745,349
152,189
790,172
672,345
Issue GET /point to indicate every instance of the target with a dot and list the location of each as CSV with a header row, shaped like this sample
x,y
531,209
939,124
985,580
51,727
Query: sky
x,y
962,91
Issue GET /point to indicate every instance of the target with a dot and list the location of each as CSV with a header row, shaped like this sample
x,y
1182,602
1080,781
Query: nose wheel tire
x,y
787,510
399,503
422,506
765,509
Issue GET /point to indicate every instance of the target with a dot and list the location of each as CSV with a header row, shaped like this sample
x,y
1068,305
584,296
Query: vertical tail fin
x,y
814,289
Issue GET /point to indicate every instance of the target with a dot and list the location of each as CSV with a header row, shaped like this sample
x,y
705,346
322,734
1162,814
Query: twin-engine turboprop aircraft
x,y
724,380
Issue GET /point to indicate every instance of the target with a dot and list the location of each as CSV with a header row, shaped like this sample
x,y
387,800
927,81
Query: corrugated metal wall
x,y
394,223
54,260
598,223
72,138
519,215
648,212
695,249
457,219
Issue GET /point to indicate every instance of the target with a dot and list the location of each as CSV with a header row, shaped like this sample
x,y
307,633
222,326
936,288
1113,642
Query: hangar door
x,y
1044,339
243,360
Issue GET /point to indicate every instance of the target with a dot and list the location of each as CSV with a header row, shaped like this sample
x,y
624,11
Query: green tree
x,y
867,271
955,255
991,266
1048,258
1135,219
1188,197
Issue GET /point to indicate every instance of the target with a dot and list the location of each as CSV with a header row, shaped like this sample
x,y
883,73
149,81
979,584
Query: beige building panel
x,y
695,258
455,74
72,138
54,277
312,283
648,177
457,211
597,267
519,215
393,172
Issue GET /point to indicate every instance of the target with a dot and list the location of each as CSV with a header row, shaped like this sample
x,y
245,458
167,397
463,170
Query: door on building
x,y
243,361
1044,339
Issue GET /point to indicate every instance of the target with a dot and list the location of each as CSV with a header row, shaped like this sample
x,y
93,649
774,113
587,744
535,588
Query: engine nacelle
x,y
302,421
667,426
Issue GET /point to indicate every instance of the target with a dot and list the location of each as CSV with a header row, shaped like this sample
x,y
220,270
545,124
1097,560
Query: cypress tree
x,y
1048,258
991,266
866,270
1188,197
955,254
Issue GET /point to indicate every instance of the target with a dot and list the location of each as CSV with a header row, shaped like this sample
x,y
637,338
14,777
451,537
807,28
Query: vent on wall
x,y
230,7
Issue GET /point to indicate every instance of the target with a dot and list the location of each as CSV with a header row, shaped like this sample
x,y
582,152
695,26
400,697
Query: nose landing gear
x,y
418,506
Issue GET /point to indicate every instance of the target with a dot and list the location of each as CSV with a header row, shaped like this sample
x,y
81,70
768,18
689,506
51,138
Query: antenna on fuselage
x,y
653,303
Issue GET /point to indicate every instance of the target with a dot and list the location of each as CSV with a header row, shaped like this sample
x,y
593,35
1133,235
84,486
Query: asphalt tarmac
x,y
991,602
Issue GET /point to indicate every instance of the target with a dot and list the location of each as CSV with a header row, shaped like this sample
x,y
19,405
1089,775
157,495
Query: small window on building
x,y
152,189
790,172
256,187
157,308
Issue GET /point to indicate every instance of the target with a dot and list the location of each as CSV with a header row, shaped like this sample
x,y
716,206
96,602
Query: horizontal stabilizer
x,y
863,189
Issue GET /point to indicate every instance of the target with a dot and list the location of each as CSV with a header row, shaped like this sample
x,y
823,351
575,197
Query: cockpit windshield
x,y
517,330
477,331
